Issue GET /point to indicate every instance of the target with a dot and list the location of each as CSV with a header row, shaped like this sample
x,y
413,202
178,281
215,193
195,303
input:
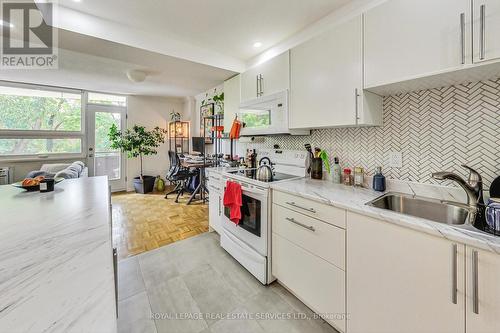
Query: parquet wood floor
x,y
145,222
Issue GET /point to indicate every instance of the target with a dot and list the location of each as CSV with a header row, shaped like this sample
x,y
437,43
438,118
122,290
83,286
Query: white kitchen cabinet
x,y
267,78
406,39
308,254
231,101
215,203
401,280
486,25
327,81
486,276
320,238
320,285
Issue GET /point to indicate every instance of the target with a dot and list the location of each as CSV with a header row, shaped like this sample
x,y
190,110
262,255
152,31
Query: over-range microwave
x,y
267,115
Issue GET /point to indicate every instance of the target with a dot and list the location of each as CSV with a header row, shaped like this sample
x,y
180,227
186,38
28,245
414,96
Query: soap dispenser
x,y
379,180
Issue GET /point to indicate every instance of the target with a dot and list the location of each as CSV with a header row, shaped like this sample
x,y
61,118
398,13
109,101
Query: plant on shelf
x,y
175,116
217,99
138,142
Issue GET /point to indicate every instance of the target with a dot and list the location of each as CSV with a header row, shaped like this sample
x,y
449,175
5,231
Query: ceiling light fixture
x,y
136,75
257,44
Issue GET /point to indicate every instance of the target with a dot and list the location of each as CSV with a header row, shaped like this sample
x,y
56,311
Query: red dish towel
x,y
232,200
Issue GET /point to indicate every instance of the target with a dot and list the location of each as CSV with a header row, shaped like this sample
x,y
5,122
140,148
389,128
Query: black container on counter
x,y
317,168
47,185
379,180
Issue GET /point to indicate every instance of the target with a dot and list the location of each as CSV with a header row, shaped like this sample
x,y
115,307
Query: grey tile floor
x,y
195,286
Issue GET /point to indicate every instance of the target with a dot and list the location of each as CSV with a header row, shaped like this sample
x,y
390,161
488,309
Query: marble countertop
x,y
56,264
354,199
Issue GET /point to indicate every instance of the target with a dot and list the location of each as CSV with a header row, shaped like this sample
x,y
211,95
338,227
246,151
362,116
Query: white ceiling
x,y
229,27
186,46
94,64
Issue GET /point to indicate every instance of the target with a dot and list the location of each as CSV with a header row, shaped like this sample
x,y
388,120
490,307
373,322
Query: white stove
x,y
249,242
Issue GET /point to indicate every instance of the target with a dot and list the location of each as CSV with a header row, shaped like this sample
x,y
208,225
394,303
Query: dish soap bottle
x,y
379,180
336,172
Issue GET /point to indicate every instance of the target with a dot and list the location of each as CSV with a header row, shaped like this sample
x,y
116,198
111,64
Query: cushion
x,y
64,170
37,173
77,166
67,174
54,168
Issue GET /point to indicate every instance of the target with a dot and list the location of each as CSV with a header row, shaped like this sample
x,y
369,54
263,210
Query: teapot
x,y
265,172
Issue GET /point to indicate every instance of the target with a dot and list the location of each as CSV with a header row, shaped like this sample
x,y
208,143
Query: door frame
x,y
90,110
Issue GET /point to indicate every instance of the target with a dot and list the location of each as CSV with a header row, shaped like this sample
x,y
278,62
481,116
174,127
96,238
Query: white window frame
x,y
45,134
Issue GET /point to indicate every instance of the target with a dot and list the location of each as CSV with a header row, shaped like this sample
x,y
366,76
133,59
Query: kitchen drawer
x,y
320,285
311,208
320,238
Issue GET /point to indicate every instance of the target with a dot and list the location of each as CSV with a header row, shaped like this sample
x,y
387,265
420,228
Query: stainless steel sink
x,y
431,209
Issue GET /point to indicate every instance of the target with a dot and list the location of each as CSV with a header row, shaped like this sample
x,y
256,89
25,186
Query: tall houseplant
x,y
138,142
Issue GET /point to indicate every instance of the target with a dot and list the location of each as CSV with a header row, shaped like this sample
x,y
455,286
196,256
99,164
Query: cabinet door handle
x,y
293,204
308,227
482,31
462,36
261,85
475,282
356,96
258,81
454,276
115,270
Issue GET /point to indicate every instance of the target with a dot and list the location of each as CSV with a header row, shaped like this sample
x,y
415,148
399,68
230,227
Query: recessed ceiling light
x,y
257,44
77,0
4,23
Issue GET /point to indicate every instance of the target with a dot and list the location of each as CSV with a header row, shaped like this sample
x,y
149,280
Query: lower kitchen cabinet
x,y
317,283
401,280
483,291
215,204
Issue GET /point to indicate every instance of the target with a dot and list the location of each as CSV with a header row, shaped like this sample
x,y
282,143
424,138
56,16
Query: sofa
x,y
63,170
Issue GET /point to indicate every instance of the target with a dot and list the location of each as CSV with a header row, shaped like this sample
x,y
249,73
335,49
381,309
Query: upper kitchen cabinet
x,y
407,39
327,81
267,78
231,101
486,18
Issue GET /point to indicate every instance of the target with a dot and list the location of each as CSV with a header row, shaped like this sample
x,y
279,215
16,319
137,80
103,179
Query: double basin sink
x,y
435,210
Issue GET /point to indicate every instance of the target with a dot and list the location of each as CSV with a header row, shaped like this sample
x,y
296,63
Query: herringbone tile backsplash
x,y
437,129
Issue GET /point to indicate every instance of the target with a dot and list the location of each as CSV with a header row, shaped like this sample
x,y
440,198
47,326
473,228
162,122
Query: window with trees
x,y
40,121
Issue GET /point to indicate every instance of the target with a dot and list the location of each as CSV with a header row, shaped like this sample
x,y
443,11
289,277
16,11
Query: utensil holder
x,y
317,168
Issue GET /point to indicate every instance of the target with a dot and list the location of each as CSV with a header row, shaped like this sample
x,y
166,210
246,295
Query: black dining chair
x,y
178,175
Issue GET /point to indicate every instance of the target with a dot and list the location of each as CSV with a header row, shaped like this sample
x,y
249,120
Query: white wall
x,y
151,112
195,113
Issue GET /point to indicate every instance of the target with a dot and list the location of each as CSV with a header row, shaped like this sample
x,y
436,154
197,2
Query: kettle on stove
x,y
265,172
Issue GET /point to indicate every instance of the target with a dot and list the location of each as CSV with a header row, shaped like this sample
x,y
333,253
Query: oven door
x,y
253,226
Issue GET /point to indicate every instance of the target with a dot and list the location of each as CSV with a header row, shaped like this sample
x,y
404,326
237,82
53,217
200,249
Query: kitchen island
x,y
56,262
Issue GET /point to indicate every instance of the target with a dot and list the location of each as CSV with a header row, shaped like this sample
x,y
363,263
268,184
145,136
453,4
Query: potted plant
x,y
138,142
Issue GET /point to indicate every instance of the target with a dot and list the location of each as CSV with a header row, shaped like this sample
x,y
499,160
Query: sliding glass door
x,y
102,159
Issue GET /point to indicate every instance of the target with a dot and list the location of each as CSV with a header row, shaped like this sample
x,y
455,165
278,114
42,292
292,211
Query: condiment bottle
x,y
359,176
336,172
347,177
